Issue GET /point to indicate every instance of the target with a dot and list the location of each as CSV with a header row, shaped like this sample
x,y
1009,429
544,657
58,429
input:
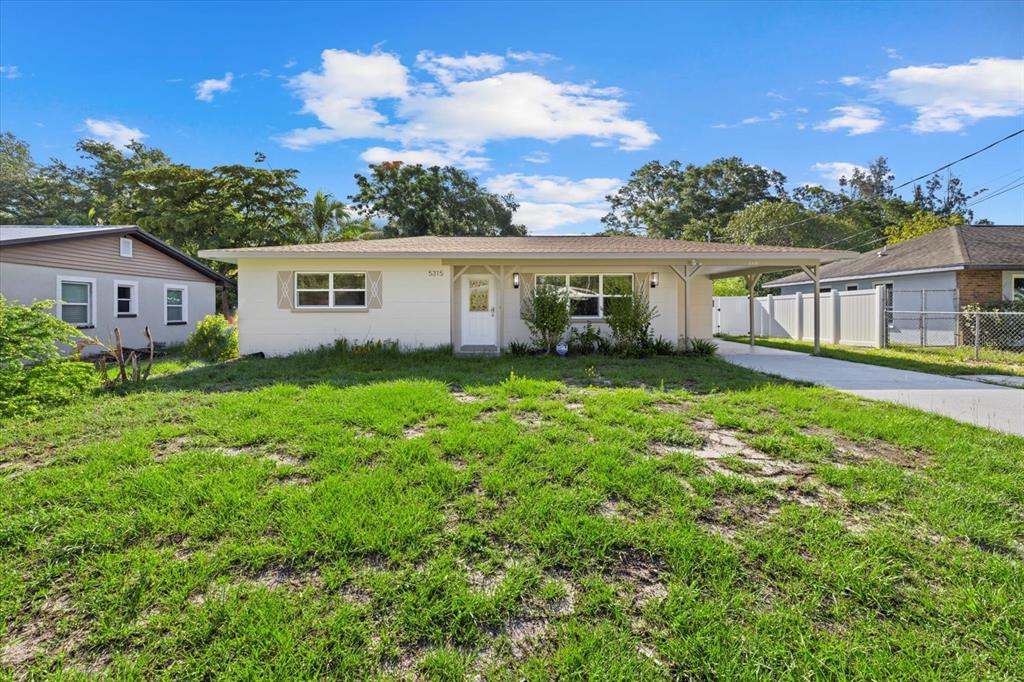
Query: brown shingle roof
x,y
519,245
968,246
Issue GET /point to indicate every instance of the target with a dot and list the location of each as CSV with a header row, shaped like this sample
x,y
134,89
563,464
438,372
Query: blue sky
x,y
555,102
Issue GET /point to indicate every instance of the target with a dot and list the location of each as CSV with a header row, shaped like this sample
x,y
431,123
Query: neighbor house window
x,y
76,304
126,247
589,294
175,304
126,298
851,287
330,290
1017,288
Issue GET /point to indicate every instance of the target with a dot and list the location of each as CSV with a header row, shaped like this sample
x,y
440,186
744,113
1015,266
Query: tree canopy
x,y
410,201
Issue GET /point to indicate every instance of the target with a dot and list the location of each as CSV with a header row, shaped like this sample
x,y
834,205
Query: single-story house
x,y
467,292
956,266
104,277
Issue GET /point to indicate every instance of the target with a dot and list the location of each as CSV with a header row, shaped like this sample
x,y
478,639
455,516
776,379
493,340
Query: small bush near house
x,y
33,375
702,347
546,314
369,347
629,319
214,340
585,341
518,348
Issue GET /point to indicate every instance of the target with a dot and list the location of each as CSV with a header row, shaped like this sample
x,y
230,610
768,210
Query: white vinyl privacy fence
x,y
853,318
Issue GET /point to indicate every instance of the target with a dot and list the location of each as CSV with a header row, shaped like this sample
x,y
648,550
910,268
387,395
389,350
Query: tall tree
x,y
194,208
325,217
787,223
675,202
869,184
922,222
412,200
945,202
37,195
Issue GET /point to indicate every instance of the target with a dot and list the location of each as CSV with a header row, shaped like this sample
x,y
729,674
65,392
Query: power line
x,y
962,158
995,194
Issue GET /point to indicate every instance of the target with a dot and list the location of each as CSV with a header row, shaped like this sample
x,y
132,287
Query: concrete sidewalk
x,y
995,407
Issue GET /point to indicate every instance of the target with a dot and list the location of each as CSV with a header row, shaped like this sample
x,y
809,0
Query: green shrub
x,y
215,339
33,376
518,348
702,347
586,341
629,319
662,346
343,346
546,314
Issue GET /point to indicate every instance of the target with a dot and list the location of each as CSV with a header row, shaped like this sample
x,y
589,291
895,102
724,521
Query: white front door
x,y
479,320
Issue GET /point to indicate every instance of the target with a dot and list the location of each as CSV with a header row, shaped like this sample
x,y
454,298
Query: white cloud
x,y
447,69
892,53
205,90
833,170
343,97
463,108
528,56
751,120
851,80
946,98
114,132
857,119
537,157
771,94
548,202
540,217
426,157
554,188
9,71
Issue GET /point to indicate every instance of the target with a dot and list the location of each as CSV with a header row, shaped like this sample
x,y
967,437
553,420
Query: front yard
x,y
416,515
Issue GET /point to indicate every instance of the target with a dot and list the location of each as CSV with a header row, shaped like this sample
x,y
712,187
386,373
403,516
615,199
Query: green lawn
x,y
424,516
934,360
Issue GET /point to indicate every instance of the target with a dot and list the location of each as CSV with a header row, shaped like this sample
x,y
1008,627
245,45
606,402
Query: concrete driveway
x,y
995,407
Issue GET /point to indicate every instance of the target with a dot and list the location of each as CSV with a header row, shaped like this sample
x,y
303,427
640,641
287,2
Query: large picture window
x,y
76,302
1017,288
330,290
589,294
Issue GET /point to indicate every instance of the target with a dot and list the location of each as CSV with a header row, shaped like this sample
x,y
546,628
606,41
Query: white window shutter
x,y
374,289
285,297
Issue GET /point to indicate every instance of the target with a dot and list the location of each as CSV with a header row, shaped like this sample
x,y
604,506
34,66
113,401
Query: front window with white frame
x,y
589,294
76,304
1017,288
330,289
126,298
126,247
175,304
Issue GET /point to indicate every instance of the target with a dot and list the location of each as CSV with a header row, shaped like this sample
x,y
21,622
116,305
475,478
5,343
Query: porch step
x,y
477,350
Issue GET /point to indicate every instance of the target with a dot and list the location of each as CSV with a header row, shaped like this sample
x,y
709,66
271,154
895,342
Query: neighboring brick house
x,y
973,264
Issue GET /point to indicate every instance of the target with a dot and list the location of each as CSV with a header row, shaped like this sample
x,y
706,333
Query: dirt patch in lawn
x,y
642,578
672,408
49,633
416,431
877,449
171,446
273,577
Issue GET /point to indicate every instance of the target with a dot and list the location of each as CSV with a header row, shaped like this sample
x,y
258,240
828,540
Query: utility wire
x,y
962,158
995,194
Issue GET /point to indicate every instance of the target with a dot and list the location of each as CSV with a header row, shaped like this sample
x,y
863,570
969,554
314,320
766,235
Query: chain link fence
x,y
980,330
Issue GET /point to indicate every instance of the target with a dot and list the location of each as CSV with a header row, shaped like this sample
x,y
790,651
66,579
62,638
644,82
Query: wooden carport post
x,y
751,283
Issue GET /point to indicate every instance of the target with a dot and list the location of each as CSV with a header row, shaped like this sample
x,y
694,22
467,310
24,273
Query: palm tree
x,y
325,215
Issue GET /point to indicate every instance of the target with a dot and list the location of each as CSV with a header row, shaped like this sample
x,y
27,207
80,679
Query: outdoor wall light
x,y
515,280
654,279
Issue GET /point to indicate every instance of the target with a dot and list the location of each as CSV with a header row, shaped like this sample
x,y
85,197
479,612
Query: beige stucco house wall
x,y
416,290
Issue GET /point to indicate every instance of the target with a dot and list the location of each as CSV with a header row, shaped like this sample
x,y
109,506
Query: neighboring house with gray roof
x,y
108,276
976,264
468,292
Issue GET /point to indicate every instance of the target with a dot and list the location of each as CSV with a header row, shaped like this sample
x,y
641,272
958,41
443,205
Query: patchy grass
x,y
934,360
424,516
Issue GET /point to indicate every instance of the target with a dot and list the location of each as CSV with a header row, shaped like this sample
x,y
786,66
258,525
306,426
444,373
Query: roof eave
x,y
232,256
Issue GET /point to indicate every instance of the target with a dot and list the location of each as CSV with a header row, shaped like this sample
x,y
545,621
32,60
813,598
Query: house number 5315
x,y
435,273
